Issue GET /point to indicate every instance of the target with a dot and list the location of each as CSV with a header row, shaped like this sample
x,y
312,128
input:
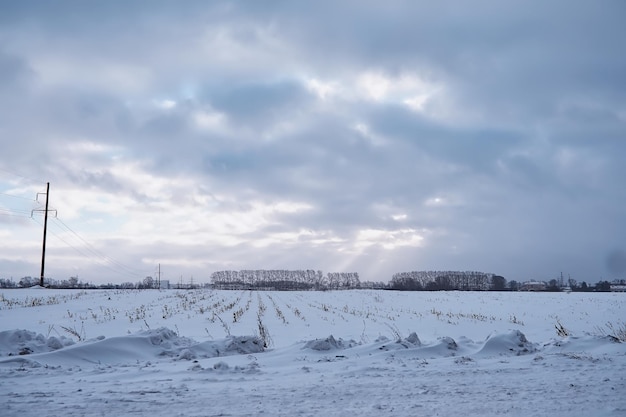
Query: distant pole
x,y
45,230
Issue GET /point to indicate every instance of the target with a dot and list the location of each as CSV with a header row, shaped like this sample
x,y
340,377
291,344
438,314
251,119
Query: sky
x,y
342,136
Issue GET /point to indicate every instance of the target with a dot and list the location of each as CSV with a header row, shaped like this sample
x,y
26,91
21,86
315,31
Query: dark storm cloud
x,y
478,148
255,104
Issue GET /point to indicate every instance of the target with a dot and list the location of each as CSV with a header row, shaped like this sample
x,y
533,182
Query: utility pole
x,y
45,230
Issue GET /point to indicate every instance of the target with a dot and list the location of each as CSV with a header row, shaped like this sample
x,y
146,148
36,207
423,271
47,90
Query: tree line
x,y
75,283
284,280
482,281
443,280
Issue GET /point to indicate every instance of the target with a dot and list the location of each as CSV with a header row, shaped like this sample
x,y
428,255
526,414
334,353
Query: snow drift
x,y
143,346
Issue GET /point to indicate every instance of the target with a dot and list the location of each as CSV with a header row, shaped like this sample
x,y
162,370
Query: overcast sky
x,y
367,136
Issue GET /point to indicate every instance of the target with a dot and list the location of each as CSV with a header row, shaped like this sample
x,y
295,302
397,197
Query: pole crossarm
x,y
43,210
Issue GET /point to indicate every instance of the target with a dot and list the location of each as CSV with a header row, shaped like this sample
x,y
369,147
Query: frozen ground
x,y
202,353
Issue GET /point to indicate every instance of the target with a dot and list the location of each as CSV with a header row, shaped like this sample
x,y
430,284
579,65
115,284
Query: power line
x,y
96,252
63,240
17,196
88,250
95,256
34,181
18,212
14,213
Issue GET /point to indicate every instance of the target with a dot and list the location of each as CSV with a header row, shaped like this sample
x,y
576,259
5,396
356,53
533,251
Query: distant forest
x,y
480,281
446,280
285,280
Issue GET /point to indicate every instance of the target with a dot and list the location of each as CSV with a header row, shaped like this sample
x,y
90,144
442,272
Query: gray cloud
x,y
259,104
328,135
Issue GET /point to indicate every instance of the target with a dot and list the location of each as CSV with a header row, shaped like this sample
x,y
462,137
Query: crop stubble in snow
x,y
200,353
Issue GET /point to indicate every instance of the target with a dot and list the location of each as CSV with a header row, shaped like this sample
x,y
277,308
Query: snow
x,y
369,353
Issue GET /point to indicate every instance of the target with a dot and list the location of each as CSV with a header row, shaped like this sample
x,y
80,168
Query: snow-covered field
x,y
201,353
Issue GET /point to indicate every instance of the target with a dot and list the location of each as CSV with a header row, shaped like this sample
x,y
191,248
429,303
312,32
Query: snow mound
x,y
445,346
161,337
412,341
24,342
601,345
37,287
511,343
329,343
242,345
143,346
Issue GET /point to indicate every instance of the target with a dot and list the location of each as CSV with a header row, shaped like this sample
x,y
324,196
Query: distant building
x,y
533,286
618,287
165,284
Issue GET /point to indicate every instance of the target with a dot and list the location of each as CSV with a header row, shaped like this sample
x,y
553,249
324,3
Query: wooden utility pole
x,y
45,230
